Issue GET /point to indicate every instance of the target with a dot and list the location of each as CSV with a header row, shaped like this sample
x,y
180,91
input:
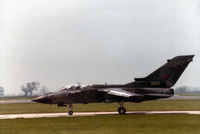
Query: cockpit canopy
x,y
74,86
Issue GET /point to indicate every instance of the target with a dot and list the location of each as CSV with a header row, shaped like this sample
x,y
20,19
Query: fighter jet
x,y
156,85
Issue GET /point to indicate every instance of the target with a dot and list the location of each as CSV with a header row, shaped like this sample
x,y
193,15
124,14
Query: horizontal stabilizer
x,y
159,95
140,79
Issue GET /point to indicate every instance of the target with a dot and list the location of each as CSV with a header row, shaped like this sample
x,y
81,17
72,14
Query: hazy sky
x,y
60,42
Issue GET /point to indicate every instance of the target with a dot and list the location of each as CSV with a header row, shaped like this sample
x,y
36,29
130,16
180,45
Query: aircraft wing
x,y
119,92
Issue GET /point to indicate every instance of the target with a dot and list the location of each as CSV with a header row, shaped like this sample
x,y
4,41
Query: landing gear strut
x,y
121,109
70,109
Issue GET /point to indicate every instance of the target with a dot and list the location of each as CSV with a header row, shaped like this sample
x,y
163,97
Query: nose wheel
x,y
70,109
121,109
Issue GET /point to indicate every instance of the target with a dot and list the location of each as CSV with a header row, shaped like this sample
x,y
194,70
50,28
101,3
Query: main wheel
x,y
122,110
70,112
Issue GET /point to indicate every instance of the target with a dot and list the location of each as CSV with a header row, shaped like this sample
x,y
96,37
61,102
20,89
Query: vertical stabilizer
x,y
168,74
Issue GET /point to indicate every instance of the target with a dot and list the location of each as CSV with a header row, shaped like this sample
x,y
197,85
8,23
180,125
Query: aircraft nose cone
x,y
41,99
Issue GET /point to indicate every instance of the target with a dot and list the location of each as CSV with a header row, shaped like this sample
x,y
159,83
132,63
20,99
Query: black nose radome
x,y
41,99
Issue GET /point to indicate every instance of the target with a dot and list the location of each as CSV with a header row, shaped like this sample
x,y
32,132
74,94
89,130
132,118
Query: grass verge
x,y
105,124
93,107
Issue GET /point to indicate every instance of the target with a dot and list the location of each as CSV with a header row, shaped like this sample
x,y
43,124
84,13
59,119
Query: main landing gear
x,y
70,109
121,109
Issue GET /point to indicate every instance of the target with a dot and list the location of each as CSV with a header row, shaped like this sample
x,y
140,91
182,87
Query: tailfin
x,y
168,74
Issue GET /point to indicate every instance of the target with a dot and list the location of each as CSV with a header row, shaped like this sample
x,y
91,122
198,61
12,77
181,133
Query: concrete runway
x,y
42,115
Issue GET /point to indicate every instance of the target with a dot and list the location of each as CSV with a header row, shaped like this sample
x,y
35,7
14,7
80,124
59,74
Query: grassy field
x,y
109,124
104,124
148,105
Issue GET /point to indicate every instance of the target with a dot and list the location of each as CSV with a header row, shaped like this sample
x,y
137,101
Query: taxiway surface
x,y
15,101
42,115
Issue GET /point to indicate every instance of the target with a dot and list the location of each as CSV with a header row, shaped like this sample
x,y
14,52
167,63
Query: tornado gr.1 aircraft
x,y
156,85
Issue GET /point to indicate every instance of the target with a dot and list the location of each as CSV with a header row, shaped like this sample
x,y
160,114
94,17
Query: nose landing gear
x,y
70,109
121,109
